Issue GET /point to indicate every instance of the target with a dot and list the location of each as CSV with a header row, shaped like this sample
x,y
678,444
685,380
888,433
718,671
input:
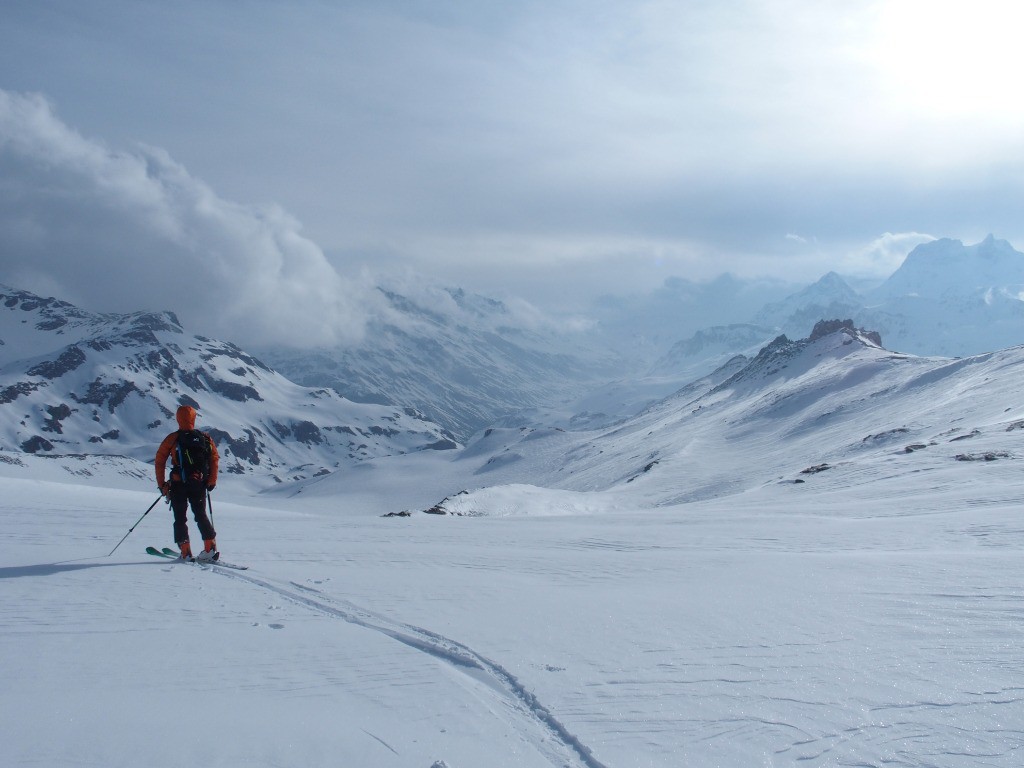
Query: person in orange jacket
x,y
194,463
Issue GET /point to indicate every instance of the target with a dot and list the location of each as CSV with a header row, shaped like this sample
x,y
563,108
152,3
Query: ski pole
x,y
136,523
209,503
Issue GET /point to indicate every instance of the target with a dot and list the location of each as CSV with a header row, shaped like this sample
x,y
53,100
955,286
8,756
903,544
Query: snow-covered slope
x,y
834,408
72,382
463,360
836,400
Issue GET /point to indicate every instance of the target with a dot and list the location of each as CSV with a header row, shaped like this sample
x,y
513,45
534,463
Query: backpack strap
x,y
178,454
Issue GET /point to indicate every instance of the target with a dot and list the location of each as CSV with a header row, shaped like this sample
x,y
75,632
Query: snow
x,y
869,615
744,633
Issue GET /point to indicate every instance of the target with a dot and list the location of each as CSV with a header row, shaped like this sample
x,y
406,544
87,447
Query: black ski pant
x,y
182,496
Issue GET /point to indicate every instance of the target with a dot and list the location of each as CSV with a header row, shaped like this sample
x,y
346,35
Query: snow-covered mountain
x,y
74,382
645,327
831,296
712,347
710,350
105,384
835,405
836,401
465,361
948,298
947,268
469,362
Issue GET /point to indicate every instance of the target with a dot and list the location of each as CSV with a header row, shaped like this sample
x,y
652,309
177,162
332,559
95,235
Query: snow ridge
x,y
445,649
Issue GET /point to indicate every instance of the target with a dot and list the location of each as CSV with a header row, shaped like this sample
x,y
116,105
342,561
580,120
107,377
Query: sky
x,y
260,164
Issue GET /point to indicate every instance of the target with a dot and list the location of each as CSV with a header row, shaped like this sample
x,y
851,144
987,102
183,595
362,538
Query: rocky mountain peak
x,y
825,327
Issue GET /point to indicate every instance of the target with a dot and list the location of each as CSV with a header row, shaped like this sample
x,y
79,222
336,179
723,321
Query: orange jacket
x,y
186,417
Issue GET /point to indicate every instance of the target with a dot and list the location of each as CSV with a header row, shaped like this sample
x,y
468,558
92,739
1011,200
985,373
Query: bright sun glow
x,y
950,58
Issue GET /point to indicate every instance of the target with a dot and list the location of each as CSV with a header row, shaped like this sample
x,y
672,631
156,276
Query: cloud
x,y
884,255
117,230
458,306
541,148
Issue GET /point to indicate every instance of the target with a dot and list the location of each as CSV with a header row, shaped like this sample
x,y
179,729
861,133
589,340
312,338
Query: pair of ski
x,y
170,554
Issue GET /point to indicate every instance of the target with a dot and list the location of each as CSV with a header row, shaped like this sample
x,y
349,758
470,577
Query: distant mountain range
x,y
468,362
442,365
946,299
463,360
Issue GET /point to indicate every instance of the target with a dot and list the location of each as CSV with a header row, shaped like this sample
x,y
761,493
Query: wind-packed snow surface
x,y
815,561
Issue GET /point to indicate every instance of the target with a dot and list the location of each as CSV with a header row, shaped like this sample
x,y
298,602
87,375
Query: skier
x,y
194,462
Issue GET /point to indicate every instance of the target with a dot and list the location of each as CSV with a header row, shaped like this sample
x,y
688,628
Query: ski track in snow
x,y
439,647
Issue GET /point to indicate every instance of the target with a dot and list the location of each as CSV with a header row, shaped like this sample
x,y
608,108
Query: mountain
x,y
464,360
834,400
439,364
74,382
946,268
710,348
831,296
644,327
470,362
834,410
948,298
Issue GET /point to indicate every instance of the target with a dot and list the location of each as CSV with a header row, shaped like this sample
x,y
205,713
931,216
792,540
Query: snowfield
x,y
816,562
756,631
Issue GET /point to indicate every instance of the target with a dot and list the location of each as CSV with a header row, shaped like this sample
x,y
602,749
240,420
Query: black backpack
x,y
194,457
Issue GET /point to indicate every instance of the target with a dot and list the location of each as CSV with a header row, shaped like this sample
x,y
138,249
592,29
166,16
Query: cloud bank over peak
x,y
116,230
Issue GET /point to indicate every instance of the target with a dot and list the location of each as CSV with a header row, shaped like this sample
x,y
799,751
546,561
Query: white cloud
x,y
129,230
883,255
556,150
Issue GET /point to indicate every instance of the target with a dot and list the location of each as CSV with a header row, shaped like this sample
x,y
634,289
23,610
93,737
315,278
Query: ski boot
x,y
209,551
